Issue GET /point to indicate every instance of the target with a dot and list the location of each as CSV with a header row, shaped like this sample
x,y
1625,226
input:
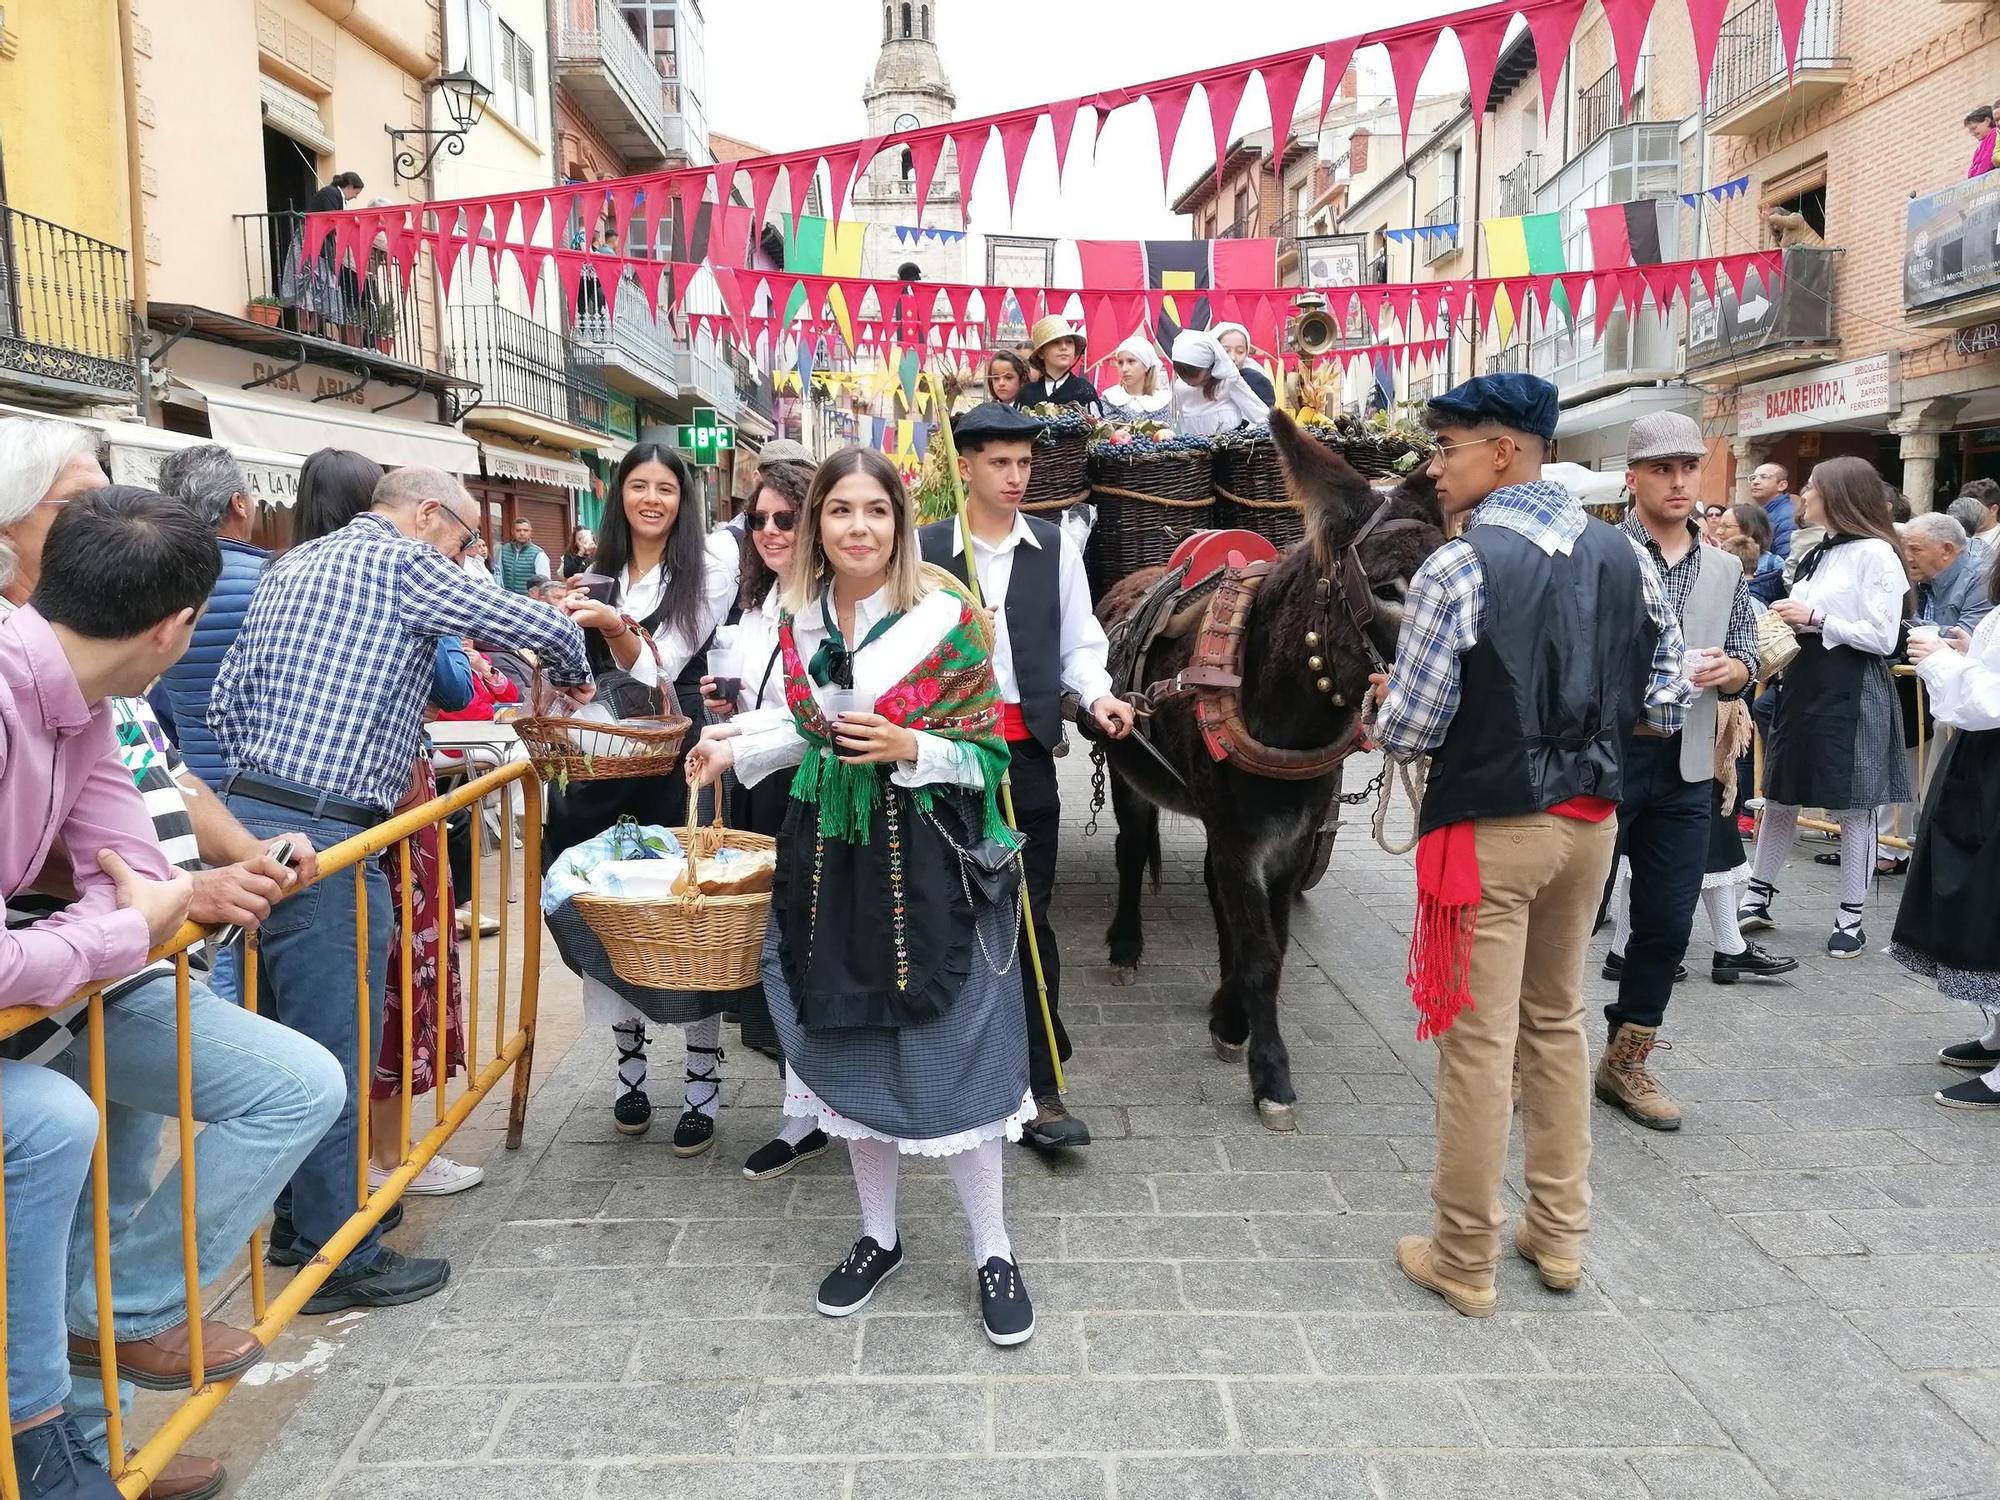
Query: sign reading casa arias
x,y
1825,397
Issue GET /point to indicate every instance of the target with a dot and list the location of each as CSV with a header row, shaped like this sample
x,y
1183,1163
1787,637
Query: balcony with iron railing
x,y
613,80
1242,227
623,342
1287,231
1751,90
65,311
307,293
521,366
1603,106
1517,186
1775,326
1440,246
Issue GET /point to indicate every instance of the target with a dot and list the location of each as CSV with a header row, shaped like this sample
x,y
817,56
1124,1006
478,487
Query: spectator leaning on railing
x,y
319,707
113,560
209,481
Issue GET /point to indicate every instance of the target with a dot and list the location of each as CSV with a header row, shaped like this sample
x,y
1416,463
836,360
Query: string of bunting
x,y
1479,34
1717,194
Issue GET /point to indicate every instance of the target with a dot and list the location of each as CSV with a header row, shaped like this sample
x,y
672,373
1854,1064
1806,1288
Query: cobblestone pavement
x,y
1790,1297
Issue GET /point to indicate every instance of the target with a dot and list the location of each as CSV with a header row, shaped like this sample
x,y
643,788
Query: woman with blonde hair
x,y
1837,741
1140,391
889,965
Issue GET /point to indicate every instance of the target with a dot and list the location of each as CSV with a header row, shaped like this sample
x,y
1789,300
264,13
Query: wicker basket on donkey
x,y
1250,491
1150,497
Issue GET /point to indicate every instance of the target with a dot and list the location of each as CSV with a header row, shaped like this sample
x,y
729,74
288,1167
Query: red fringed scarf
x,y
1440,974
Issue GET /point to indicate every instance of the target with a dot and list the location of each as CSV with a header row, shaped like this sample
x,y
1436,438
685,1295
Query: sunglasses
x,y
771,520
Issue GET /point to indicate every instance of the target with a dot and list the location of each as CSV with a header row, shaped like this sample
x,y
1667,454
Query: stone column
x,y
1919,426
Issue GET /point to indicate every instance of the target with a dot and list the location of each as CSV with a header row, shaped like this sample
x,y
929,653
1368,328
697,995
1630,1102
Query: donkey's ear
x,y
1321,479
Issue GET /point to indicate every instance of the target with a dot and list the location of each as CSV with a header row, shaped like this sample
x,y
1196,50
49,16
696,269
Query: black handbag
x,y
987,865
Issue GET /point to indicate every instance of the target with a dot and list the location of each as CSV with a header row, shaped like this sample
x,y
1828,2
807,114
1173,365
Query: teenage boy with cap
x,y
1046,641
1668,809
1530,647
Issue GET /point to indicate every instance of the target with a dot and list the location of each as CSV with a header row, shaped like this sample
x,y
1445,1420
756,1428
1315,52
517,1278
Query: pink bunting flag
x,y
763,178
970,143
529,211
1553,25
1791,25
1628,20
569,276
1409,52
1479,41
1334,58
799,174
1062,121
1282,82
925,150
531,259
841,166
1015,133
689,190
623,199
1225,94
1706,18
1169,105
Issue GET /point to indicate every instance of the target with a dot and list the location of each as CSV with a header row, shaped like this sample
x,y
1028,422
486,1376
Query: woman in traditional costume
x,y
889,966
1945,929
1141,391
1837,741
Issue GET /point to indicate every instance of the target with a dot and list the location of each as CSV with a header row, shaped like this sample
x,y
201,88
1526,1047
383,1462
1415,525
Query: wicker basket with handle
x,y
566,749
687,941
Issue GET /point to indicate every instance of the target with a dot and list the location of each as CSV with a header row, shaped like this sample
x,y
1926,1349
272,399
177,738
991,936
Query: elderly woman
x,y
1210,394
1139,392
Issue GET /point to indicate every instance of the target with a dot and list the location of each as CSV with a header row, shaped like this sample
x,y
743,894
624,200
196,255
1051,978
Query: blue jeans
x,y
306,978
263,1094
49,1127
1663,827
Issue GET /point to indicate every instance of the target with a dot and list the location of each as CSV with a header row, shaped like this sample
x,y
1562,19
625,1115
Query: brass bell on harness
x,y
1326,684
1312,639
1315,662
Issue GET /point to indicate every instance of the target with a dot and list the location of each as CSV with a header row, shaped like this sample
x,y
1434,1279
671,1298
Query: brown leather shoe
x,y
1559,1273
1413,1254
187,1477
164,1362
1053,1127
1622,1079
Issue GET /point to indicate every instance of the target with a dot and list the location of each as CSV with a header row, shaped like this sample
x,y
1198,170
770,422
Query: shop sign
x,y
509,463
1981,339
1953,243
271,482
1826,397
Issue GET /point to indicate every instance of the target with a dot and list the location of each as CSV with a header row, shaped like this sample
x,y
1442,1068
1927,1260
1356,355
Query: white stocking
x,y
704,1064
980,1181
629,1037
796,1128
875,1164
1990,1038
1621,908
1777,831
1857,857
1719,902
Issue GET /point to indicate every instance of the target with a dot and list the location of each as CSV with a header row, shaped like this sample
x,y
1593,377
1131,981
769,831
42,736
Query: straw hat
x,y
1048,330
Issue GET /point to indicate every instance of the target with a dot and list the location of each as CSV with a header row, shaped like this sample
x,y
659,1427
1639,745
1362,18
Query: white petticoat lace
x,y
802,1102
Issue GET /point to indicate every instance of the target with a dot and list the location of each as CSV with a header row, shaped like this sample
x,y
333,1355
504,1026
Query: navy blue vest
x,y
1034,618
1550,691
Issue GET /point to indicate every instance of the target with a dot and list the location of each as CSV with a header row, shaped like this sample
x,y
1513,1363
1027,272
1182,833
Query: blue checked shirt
x,y
1740,638
1447,606
326,682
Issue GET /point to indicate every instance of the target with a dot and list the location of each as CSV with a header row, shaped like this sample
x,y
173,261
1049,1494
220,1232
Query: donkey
x,y
1305,666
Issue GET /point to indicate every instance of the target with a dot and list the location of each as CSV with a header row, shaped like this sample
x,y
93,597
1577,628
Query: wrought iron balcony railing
x,y
365,307
65,308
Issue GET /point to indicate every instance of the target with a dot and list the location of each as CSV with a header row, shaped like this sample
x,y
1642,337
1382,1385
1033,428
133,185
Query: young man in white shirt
x,y
1046,642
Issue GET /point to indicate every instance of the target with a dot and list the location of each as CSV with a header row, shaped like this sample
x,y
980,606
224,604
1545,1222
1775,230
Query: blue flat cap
x,y
1526,403
995,419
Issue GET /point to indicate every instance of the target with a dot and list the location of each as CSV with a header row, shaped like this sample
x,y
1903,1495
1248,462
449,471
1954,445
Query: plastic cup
x,y
1926,633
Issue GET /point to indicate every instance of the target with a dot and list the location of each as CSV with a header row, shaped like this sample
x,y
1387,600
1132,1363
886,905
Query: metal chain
x,y
964,859
1096,789
1355,799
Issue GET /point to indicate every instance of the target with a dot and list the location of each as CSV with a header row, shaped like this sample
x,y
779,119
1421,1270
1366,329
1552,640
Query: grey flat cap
x,y
1664,434
784,451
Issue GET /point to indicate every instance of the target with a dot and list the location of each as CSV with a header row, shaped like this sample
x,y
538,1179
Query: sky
x,y
788,74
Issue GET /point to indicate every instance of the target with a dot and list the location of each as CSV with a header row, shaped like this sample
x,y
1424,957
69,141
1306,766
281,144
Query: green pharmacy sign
x,y
706,439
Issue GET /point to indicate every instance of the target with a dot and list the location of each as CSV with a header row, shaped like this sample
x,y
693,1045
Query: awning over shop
x,y
537,468
137,451
238,416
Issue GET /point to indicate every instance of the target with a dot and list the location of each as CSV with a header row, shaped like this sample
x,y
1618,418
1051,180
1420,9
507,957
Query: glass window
x,y
479,42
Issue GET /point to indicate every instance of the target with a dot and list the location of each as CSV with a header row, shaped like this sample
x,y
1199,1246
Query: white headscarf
x,y
1140,348
1202,350
1219,329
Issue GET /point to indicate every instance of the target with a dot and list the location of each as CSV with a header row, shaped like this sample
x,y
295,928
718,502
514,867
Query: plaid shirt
x,y
1740,639
326,682
1447,606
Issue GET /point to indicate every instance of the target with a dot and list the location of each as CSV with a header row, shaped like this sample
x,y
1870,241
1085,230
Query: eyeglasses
x,y
471,533
1445,448
771,520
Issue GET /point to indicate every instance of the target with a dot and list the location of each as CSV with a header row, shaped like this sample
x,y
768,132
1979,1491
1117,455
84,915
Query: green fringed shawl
x,y
951,693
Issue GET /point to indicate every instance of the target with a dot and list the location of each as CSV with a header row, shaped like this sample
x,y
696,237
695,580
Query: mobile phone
x,y
233,933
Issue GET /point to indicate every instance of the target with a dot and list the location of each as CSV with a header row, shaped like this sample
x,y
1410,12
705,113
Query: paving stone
x,y
1789,1192
983,1478
1485,1476
804,1418
572,1246
1413,1344
1598,1344
1137,1344
1965,1231
1106,1286
1150,1237
1591,1412
1783,1235
1832,1148
1267,1151
1947,1340
808,1344
1848,1283
663,1292
440,1426
1320,1476
1098,1416
903,1345
1695,1474
1292,1286
625,1421
516,1355
1349,1414
1328,1236
1975,1398
711,1481
1243,1192
457,1481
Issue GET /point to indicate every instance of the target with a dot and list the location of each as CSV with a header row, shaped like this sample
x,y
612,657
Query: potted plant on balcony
x,y
265,309
378,322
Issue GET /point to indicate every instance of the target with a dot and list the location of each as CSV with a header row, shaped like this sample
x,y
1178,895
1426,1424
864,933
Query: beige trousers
x,y
1541,877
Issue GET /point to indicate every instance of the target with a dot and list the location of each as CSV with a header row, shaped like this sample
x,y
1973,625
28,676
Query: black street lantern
x,y
464,102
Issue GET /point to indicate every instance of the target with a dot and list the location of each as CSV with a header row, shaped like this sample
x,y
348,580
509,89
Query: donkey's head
x,y
1338,504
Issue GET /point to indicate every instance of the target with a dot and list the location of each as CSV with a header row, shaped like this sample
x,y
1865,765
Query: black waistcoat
x,y
1553,686
1034,618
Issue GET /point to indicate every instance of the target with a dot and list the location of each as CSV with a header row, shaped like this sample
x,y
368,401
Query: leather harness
x,y
1214,673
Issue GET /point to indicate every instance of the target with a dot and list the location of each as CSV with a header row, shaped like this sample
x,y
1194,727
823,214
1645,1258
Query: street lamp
x,y
464,102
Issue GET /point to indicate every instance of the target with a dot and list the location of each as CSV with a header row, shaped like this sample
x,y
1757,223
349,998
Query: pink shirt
x,y
60,777
1982,155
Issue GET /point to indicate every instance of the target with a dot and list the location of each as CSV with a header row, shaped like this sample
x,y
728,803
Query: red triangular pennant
x,y
1282,82
1553,25
1062,120
970,143
1169,105
841,166
1015,133
1225,93
1408,53
1706,18
1334,58
1479,42
689,189
799,174
569,276
924,151
763,178
1627,19
1791,24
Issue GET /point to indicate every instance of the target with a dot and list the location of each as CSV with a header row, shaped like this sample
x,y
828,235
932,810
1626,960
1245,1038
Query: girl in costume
x,y
1140,391
1210,394
1058,352
889,965
1006,377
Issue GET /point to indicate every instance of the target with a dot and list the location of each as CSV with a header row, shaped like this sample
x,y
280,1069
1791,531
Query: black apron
x,y
761,809
1954,880
1812,743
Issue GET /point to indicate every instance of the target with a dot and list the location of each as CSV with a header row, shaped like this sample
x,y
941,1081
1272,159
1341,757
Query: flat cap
x,y
1664,434
1526,403
783,451
995,419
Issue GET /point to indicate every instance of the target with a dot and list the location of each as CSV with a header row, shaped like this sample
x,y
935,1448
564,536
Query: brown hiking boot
x,y
1622,1080
1559,1273
1415,1257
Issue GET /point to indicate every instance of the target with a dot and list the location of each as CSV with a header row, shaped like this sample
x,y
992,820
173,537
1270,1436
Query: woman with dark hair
x,y
890,960
582,554
752,669
669,589
1767,583
1955,870
1837,741
1979,125
1006,377
315,287
335,486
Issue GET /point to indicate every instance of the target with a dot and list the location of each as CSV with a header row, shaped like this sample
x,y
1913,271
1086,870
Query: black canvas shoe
x,y
1614,968
775,1158
393,1280
849,1285
281,1245
1755,913
1847,941
633,1113
1971,1094
694,1134
1972,1055
1752,963
1003,1303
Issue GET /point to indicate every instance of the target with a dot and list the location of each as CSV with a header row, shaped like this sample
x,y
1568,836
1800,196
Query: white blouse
x,y
1858,588
770,739
1119,402
1965,687
752,657
640,596
1233,404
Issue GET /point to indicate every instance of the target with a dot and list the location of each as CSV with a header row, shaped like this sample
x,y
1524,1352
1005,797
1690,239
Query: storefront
x,y
1819,414
515,484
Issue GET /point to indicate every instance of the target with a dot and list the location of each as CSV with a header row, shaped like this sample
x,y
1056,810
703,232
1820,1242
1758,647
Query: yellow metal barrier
x,y
512,1050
